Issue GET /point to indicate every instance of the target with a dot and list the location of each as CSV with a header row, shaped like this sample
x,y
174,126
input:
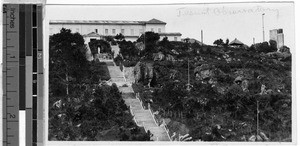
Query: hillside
x,y
82,106
236,93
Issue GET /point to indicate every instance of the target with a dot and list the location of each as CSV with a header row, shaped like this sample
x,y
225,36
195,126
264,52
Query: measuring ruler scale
x,y
22,75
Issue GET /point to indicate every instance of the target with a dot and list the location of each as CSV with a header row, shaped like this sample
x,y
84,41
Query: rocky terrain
x,y
232,88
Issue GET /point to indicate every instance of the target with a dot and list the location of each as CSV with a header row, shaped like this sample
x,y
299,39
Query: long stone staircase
x,y
116,75
142,117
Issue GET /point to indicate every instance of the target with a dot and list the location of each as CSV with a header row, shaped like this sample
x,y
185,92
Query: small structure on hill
x,y
236,43
192,40
91,36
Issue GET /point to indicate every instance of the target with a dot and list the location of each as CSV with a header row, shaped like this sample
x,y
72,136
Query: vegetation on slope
x,y
243,91
80,106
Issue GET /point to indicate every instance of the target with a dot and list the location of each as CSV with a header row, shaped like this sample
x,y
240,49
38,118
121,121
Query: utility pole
x,y
263,26
257,118
145,39
188,85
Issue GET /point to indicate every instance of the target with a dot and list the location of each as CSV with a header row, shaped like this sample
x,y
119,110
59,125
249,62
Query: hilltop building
x,y
236,42
192,40
97,29
278,36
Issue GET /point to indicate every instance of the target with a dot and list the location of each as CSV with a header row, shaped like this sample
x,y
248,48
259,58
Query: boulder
x,y
143,72
278,55
238,80
221,89
203,72
178,128
158,56
129,74
245,85
170,57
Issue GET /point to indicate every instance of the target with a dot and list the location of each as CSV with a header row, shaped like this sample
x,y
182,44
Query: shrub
x,y
264,47
128,63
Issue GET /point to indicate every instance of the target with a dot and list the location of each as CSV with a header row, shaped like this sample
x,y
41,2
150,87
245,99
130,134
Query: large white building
x,y
96,29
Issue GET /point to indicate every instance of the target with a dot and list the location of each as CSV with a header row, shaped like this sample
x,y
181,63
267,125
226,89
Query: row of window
x,y
158,30
113,31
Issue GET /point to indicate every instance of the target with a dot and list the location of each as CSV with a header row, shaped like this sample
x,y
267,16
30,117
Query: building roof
x,y
236,42
192,40
170,33
92,34
155,21
120,22
94,22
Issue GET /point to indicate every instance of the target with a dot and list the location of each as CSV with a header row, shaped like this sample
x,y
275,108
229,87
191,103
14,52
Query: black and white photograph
x,y
201,72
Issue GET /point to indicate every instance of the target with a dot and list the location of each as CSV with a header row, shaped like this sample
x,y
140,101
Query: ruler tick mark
x,y
11,31
12,121
11,91
9,46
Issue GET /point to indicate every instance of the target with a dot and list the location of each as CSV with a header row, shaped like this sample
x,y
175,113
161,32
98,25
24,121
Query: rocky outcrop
x,y
170,57
203,72
207,73
245,85
158,56
177,129
129,74
278,55
143,72
284,49
88,53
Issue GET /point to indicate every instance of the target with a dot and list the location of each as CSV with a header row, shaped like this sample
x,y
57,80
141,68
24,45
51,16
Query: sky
x,y
222,20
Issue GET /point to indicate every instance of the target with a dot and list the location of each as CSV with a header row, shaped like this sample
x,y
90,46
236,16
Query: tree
x,y
67,63
227,42
264,47
120,37
150,40
102,44
165,45
284,49
218,42
110,39
187,40
196,47
273,46
128,50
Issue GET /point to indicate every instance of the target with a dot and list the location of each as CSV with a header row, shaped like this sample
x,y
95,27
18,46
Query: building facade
x,y
96,29
278,36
